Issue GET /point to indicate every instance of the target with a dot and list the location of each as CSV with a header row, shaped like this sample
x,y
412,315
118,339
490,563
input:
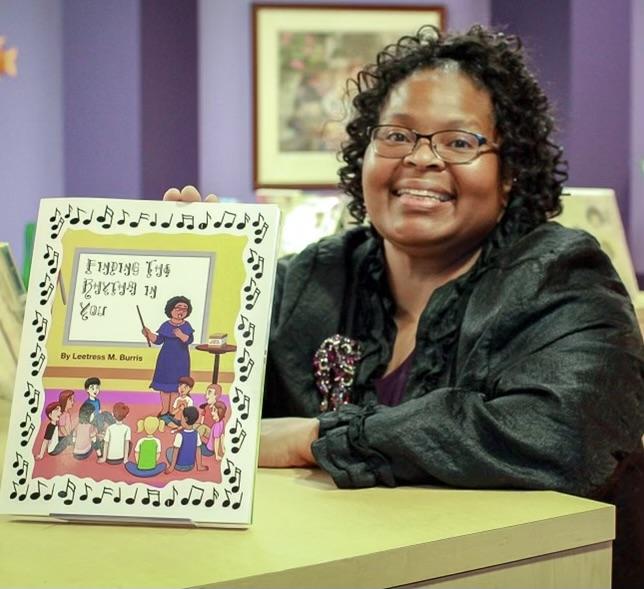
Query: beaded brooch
x,y
334,368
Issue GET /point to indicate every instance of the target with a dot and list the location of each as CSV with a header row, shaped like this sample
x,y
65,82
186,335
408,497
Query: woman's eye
x,y
460,144
397,137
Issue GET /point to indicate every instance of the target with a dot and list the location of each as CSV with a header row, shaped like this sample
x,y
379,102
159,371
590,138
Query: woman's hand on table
x,y
187,194
286,442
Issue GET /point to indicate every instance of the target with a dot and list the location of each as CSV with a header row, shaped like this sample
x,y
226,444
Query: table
x,y
216,351
308,533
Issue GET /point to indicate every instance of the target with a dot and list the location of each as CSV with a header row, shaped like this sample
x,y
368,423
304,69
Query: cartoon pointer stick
x,y
143,325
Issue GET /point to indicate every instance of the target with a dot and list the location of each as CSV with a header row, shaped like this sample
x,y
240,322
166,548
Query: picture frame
x,y
303,55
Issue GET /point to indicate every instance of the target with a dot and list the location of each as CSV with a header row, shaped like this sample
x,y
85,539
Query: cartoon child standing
x,y
174,336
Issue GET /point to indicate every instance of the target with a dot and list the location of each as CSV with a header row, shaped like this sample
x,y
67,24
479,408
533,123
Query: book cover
x,y
140,373
596,211
12,294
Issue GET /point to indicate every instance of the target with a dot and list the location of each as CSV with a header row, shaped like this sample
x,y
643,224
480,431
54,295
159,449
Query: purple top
x,y
390,388
173,360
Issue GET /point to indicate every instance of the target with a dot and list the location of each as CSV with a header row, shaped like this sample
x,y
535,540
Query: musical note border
x,y
99,215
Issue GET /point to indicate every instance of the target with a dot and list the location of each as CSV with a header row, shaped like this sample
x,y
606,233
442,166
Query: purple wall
x,y
547,38
599,136
101,44
168,95
636,164
31,124
225,86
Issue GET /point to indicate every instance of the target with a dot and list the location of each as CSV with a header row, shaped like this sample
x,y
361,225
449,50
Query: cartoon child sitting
x,y
50,441
117,441
213,442
65,423
85,432
185,453
147,449
182,401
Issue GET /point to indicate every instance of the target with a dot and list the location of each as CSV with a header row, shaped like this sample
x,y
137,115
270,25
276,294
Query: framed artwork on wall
x,y
303,56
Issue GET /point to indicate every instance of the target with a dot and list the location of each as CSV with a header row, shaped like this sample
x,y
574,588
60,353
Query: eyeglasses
x,y
453,146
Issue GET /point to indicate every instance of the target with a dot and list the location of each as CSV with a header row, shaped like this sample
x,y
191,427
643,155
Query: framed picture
x,y
303,56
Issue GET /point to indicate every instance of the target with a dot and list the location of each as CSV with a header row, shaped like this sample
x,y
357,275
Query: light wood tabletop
x,y
308,533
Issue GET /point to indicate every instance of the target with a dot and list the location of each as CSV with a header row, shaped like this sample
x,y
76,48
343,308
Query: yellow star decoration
x,y
7,60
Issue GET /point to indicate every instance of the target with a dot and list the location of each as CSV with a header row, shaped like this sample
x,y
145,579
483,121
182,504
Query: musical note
x,y
36,494
50,494
132,500
152,221
260,219
68,214
246,367
187,221
52,257
106,218
28,431
229,467
15,494
242,224
244,408
47,287
170,501
116,497
68,493
251,299
41,326
238,436
235,480
77,218
227,501
166,224
16,462
210,502
33,401
39,359
87,220
260,233
124,214
198,491
22,472
205,223
86,492
227,220
248,330
252,285
57,222
153,498
257,262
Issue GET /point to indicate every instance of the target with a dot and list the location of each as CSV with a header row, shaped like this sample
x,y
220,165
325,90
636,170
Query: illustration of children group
x,y
198,431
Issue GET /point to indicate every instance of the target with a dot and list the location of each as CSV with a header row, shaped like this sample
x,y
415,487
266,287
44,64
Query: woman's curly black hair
x,y
495,62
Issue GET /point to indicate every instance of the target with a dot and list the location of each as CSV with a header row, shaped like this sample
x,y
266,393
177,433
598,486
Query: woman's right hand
x,y
187,194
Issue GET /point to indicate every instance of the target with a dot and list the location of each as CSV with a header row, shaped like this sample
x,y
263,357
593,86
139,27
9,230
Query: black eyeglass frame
x,y
481,140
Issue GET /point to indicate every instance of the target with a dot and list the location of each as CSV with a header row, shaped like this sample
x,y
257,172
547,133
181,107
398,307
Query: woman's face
x,y
179,312
399,193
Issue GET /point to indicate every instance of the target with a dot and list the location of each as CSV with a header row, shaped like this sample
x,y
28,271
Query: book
x,y
12,295
595,210
123,409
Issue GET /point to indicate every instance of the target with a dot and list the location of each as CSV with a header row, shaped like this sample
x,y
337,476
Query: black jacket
x,y
528,370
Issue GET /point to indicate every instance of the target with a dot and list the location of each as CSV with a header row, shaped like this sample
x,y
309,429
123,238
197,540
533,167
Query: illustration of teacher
x,y
174,336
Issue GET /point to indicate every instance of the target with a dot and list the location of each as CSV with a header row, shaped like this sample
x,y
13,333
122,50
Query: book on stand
x,y
12,295
126,408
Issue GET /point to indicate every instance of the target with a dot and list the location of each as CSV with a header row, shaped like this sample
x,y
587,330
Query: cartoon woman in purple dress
x,y
174,336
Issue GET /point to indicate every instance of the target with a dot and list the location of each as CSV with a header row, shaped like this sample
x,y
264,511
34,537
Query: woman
x,y
173,362
475,343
